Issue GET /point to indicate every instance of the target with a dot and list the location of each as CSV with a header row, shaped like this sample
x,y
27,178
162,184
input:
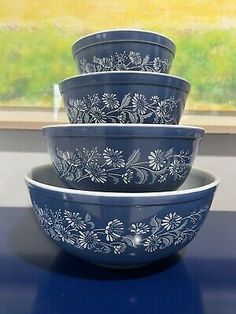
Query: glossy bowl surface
x,y
120,230
122,158
124,97
122,50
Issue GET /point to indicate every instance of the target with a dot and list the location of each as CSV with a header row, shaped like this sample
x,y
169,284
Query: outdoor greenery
x,y
207,60
32,61
36,54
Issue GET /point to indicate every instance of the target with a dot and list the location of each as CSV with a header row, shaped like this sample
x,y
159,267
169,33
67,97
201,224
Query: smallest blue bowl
x,y
124,50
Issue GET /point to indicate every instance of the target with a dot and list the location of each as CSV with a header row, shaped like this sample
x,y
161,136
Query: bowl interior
x,y
46,174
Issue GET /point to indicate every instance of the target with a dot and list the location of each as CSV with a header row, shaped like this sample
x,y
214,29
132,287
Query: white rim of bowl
x,y
122,194
126,72
120,125
125,30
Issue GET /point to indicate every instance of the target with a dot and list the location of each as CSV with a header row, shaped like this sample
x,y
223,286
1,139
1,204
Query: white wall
x,y
21,150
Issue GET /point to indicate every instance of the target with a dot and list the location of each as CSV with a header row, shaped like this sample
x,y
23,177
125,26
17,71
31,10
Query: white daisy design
x,y
135,57
139,228
88,239
155,99
91,102
114,236
162,178
171,221
64,234
121,58
175,167
79,104
96,173
152,243
74,220
98,116
157,64
119,248
105,63
157,160
114,229
122,117
161,110
139,103
43,216
110,100
113,158
127,176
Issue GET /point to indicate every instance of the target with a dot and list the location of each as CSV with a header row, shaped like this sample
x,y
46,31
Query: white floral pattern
x,y
110,164
139,228
114,158
74,220
171,221
113,230
132,108
125,61
87,240
115,237
157,159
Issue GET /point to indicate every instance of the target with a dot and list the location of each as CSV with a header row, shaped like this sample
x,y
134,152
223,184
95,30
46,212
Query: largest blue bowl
x,y
120,229
122,50
128,158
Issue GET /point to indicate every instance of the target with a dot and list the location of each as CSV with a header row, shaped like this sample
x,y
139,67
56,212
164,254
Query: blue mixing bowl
x,y
120,230
124,97
122,158
122,50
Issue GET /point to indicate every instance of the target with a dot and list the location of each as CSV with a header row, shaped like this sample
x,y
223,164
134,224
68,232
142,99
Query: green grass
x,y
32,60
207,60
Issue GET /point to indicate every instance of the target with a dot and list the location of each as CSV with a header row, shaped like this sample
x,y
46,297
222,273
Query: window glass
x,y
36,39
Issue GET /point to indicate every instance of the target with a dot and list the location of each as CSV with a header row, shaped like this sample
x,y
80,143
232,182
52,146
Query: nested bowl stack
x,y
124,97
121,191
120,230
116,157
124,50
